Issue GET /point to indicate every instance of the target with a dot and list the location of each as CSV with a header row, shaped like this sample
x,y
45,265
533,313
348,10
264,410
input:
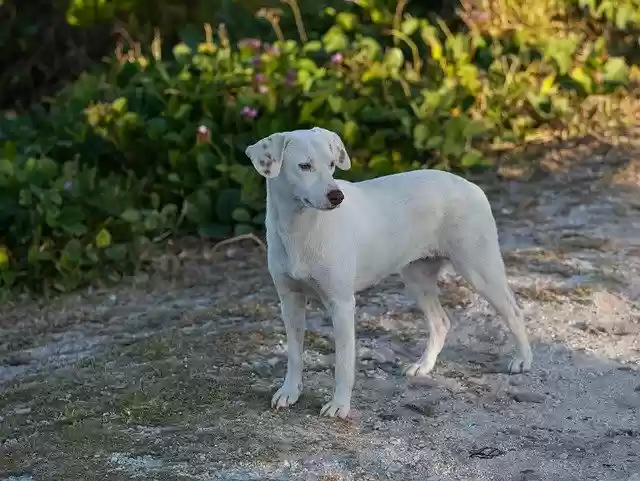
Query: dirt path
x,y
171,379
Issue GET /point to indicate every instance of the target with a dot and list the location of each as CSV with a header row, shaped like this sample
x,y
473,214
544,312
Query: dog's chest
x,y
298,260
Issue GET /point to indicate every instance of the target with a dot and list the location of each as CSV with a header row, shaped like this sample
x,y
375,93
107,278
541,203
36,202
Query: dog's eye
x,y
306,166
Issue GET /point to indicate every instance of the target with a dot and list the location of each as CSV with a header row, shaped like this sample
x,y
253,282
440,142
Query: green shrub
x,y
402,91
63,225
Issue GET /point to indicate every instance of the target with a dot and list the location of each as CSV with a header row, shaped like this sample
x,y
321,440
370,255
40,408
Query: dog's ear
x,y
343,161
266,154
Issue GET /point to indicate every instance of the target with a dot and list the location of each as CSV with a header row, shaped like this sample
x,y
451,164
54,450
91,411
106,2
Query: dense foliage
x,y
91,179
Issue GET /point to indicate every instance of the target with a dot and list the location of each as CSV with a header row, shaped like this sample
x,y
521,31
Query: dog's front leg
x,y
342,314
293,305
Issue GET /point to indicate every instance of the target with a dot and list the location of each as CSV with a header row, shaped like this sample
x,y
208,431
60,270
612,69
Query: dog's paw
x,y
418,369
286,396
519,365
335,409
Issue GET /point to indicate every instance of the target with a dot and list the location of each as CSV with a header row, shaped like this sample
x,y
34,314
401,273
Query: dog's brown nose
x,y
335,197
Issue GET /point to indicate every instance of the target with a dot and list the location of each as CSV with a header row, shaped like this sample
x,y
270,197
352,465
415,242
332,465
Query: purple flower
x,y
273,50
259,78
249,113
252,43
291,78
68,184
337,58
256,61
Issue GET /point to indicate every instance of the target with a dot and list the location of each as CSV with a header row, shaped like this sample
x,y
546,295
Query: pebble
x,y
424,408
18,359
528,475
527,397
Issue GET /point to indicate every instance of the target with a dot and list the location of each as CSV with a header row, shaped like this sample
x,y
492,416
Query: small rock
x,y
273,361
388,416
384,354
528,475
322,362
631,401
563,456
426,409
422,381
388,367
527,397
637,388
18,359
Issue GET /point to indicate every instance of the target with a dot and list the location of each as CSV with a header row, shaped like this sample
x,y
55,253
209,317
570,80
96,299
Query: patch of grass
x,y
318,343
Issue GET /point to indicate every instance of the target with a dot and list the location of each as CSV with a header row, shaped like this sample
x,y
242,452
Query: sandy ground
x,y
170,378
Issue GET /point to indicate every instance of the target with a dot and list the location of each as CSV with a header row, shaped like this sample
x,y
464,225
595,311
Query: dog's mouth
x,y
307,203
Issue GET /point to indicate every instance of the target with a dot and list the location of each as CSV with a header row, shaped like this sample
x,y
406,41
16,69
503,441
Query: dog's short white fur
x,y
332,238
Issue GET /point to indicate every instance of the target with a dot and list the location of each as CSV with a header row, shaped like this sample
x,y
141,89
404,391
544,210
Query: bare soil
x,y
170,377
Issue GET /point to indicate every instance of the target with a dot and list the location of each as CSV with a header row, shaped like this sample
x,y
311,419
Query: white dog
x,y
331,238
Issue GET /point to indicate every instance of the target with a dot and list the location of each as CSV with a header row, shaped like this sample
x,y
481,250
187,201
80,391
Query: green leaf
x,y
241,215
335,40
155,201
243,229
582,78
410,25
215,230
350,132
625,15
259,218
119,105
103,239
430,36
347,20
72,252
474,128
181,51
4,257
131,215
48,168
183,112
228,200
156,128
312,46
9,151
470,159
616,71
6,167
151,223
547,86
394,58
75,229
335,103
434,142
420,136
309,108
116,252
306,65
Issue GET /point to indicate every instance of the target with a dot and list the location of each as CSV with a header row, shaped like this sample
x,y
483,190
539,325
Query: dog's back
x,y
403,217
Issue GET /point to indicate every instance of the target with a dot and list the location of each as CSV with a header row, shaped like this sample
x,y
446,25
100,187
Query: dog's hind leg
x,y
421,282
482,266
293,307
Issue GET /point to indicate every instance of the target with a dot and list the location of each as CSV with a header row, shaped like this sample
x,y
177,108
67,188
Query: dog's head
x,y
303,162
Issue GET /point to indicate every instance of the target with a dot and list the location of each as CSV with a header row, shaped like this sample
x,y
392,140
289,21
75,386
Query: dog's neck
x,y
287,215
